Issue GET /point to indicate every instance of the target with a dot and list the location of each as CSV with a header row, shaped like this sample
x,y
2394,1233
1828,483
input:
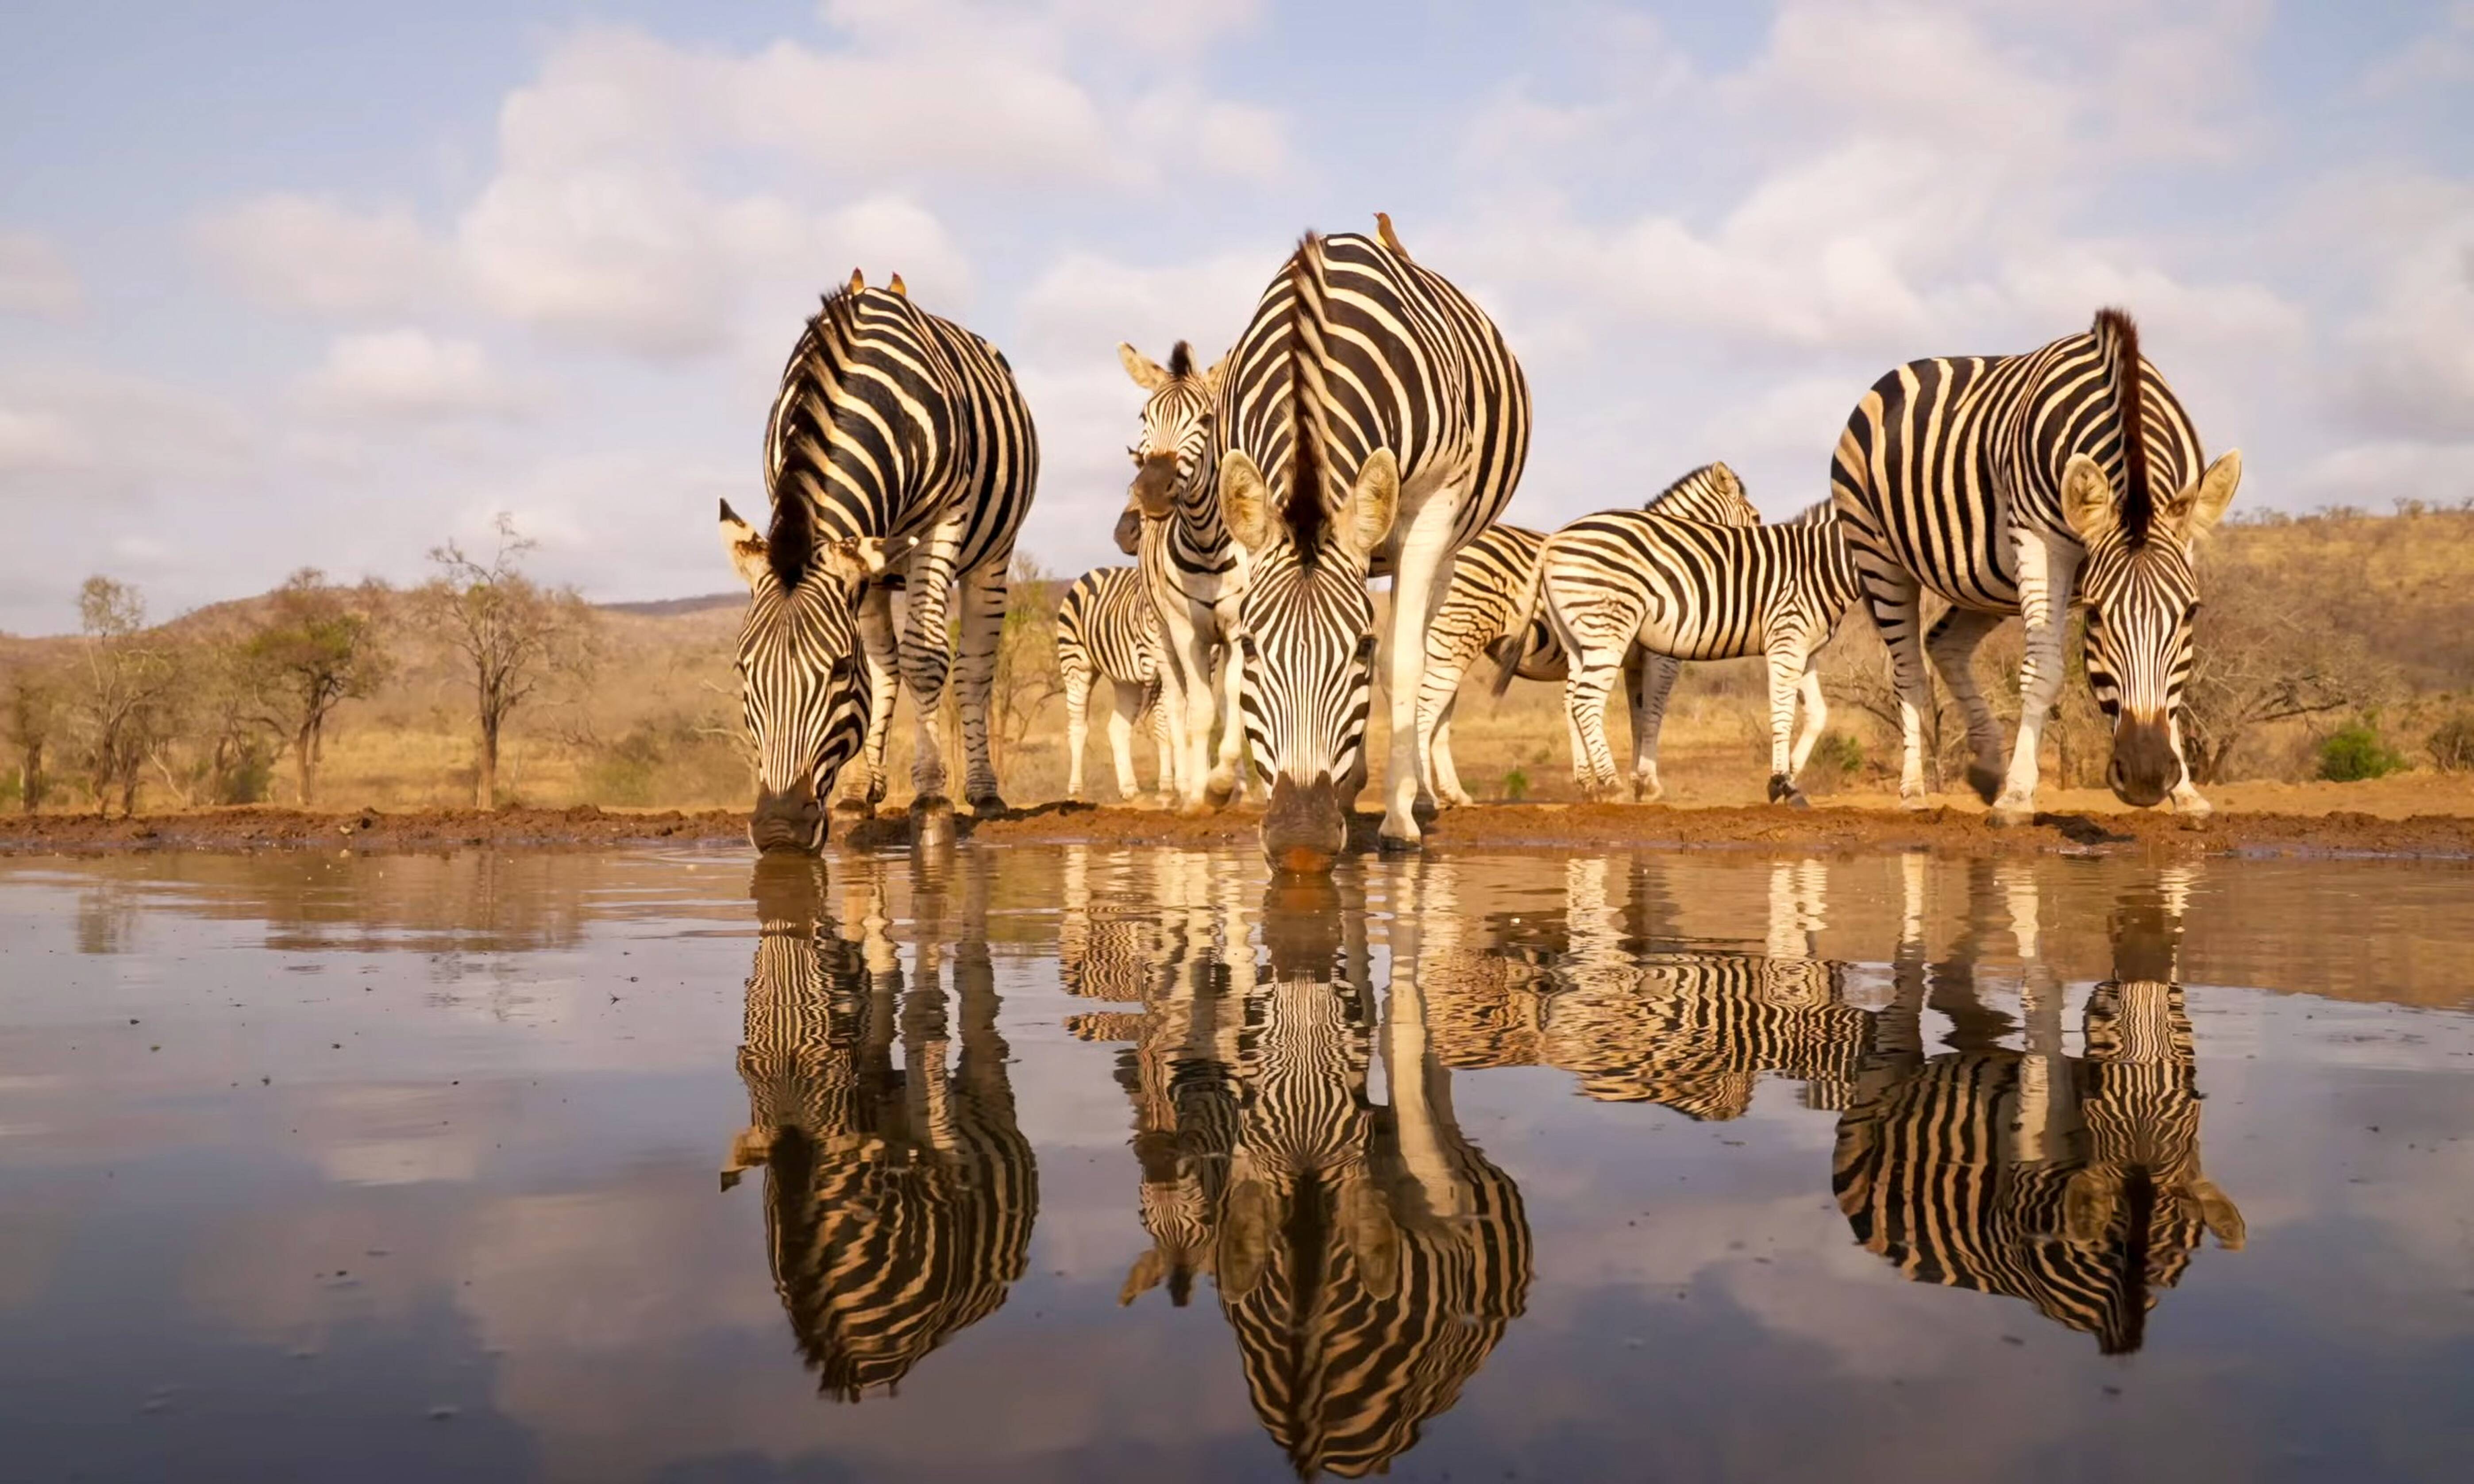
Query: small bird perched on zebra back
x,y
1694,590
1492,579
1108,630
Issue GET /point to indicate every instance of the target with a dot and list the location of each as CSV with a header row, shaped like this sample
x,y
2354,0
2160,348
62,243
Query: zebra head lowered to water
x,y
2021,484
805,693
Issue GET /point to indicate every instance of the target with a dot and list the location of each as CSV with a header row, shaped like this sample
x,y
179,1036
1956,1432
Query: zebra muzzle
x,y
2144,766
791,820
1303,828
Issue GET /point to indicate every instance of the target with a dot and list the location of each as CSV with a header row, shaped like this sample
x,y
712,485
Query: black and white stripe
x,y
2024,484
1692,590
1372,421
893,429
1492,581
1108,630
899,1201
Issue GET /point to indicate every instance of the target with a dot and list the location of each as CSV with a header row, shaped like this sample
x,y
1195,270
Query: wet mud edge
x,y
1559,829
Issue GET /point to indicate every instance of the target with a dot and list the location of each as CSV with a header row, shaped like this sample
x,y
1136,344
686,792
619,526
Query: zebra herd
x,y
1367,1256
1369,422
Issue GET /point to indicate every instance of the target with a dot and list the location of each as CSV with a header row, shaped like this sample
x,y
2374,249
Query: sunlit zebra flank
x,y
2021,484
1172,526
1482,613
1693,590
1106,629
898,1201
2072,1183
894,432
1372,421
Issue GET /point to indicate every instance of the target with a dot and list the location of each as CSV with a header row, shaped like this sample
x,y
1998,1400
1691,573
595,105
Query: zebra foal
x,y
1487,603
2022,484
1106,629
1692,590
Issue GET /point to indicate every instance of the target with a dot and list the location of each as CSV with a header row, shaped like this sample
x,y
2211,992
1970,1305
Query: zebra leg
x,y
1953,644
1125,708
1436,693
1785,679
1585,708
983,616
1156,705
1221,787
1439,761
2048,575
1078,726
1896,603
926,661
1816,715
1421,578
882,656
1650,679
2186,800
1191,654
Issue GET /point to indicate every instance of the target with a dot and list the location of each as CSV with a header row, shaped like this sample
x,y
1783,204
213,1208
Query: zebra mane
x,y
1305,513
790,545
1820,513
2116,338
1180,361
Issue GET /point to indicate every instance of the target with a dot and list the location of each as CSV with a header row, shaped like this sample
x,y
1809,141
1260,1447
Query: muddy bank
x,y
1560,828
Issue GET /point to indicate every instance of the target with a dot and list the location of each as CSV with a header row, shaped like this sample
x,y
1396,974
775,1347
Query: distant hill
x,y
672,608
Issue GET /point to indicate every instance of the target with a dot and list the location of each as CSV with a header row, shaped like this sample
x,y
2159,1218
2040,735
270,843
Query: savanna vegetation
x,y
2337,645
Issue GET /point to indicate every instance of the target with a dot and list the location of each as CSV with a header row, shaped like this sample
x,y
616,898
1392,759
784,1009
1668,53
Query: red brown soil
x,y
1558,827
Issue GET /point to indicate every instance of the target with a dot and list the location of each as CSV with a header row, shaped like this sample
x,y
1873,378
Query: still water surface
x,y
1086,1165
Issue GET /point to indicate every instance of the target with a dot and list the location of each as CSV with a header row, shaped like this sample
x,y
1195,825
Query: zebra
x,y
1172,526
2022,484
896,437
1372,421
1693,590
1490,580
1107,629
899,1202
1368,1260
2072,1183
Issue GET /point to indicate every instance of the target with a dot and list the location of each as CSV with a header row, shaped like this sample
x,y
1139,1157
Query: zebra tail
x,y
1514,646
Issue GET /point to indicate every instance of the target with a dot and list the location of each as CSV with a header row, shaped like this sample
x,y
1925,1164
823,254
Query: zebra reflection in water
x,y
898,1201
1368,1258
2072,1183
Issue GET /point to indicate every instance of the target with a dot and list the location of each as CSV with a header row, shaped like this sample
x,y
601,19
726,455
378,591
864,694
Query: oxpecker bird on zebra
x,y
2024,483
1375,422
894,433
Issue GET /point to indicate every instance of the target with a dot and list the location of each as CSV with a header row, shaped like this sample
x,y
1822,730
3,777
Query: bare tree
x,y
317,647
33,710
1027,676
130,685
513,634
2259,657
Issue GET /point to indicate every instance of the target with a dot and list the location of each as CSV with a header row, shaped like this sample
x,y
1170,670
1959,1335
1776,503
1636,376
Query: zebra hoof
x,y
1916,802
2010,815
1398,844
1781,787
987,805
1426,811
1218,794
1986,781
932,821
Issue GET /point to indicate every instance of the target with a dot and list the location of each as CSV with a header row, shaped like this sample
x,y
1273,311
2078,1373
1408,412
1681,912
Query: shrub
x,y
1516,785
1836,757
2355,751
2452,745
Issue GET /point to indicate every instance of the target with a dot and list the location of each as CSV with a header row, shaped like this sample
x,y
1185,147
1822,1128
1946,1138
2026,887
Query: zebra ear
x,y
747,547
2222,1217
1367,519
2197,512
1211,377
1373,1237
1246,502
1142,1278
2089,1197
2087,500
1246,1223
1149,374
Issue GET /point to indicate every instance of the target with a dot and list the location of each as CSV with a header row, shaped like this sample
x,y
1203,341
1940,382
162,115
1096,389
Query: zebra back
x,y
1107,628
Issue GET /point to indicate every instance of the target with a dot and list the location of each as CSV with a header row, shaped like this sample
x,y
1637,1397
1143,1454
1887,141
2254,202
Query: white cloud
x,y
410,373
2410,366
36,277
299,252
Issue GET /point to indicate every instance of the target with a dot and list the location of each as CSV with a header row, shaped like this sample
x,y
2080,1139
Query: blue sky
x,y
295,284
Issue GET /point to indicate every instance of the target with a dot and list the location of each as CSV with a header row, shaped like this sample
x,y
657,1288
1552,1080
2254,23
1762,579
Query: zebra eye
x,y
1366,650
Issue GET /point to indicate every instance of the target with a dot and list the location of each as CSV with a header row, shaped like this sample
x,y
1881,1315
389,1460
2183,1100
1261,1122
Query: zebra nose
x,y
1129,531
1303,829
2144,767
1153,482
790,820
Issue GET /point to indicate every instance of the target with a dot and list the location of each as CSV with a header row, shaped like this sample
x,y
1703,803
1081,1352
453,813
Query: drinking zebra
x,y
2021,484
1492,579
2072,1183
1693,590
1372,421
899,1202
1107,629
1172,526
894,432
